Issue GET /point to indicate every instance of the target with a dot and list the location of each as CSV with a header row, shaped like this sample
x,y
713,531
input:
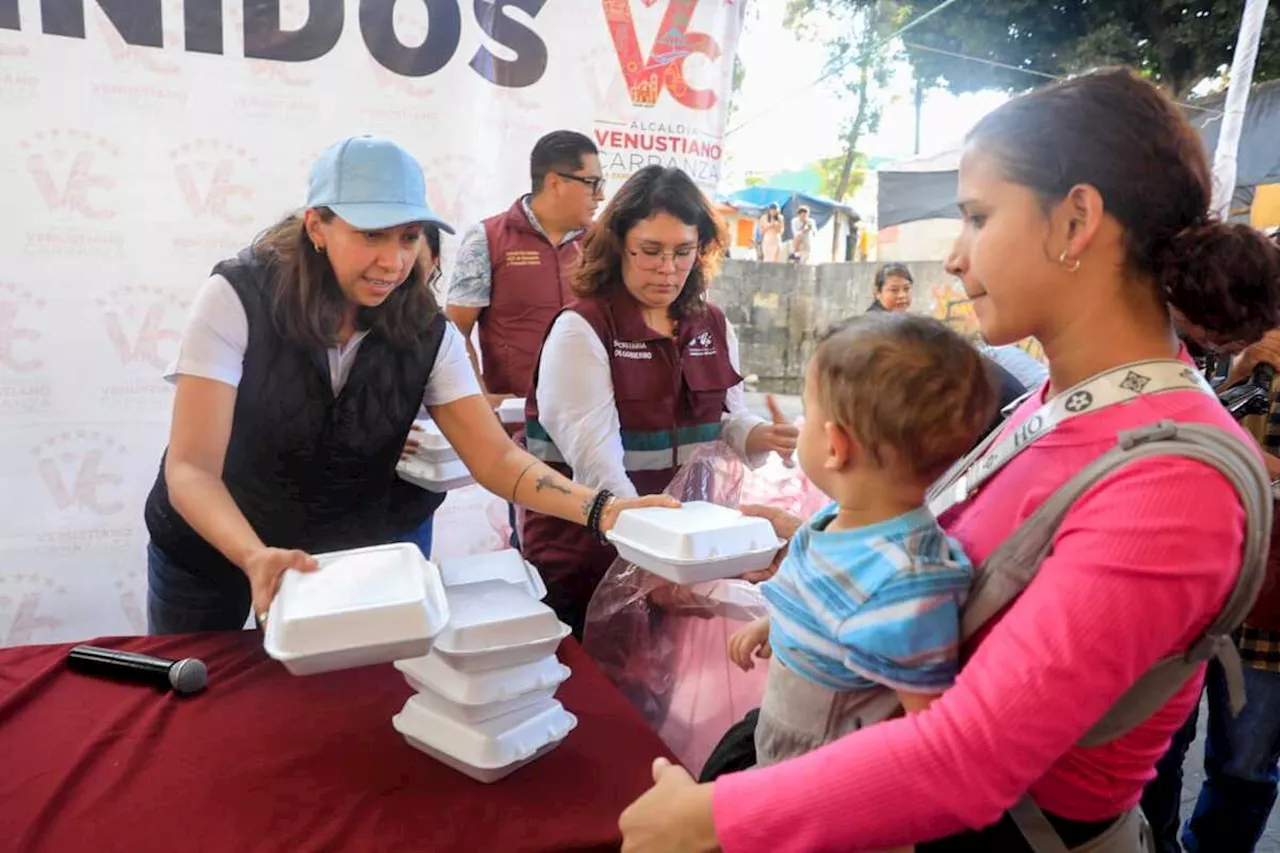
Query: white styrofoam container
x,y
493,615
697,542
500,657
489,750
505,565
483,688
511,411
471,714
361,607
435,476
432,445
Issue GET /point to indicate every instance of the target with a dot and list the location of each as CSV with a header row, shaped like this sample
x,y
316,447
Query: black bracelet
x,y
593,513
596,514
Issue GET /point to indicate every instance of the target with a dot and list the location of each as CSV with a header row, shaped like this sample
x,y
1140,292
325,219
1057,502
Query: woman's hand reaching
x,y
617,506
265,567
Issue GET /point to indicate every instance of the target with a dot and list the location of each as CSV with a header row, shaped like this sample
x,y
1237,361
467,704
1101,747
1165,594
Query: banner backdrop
x,y
144,140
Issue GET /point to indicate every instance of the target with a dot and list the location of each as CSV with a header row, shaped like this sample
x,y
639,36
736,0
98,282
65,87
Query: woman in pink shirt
x,y
1085,211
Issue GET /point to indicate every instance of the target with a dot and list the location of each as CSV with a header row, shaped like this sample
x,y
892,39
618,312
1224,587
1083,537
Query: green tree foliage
x,y
1177,43
852,32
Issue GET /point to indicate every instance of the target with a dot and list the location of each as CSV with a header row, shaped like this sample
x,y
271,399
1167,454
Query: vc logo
x,y
66,166
646,77
75,467
205,172
141,324
15,340
20,598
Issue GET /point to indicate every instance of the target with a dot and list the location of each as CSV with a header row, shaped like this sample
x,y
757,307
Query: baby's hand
x,y
752,638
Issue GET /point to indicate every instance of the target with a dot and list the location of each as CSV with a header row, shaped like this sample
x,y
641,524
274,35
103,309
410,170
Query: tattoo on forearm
x,y
548,481
586,509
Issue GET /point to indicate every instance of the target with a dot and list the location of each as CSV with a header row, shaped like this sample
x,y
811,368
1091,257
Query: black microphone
x,y
184,676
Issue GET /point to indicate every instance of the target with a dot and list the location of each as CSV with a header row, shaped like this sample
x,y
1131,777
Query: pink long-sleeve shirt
x,y
1140,566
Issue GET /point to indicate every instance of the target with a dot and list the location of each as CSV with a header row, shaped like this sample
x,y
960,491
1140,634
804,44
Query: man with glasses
x,y
513,270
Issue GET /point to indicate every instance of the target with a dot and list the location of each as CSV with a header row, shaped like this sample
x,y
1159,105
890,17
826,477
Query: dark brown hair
x,y
895,270
308,302
908,384
652,190
558,150
1124,137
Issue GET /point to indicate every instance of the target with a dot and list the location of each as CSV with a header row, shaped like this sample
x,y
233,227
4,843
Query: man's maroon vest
x,y
670,396
530,284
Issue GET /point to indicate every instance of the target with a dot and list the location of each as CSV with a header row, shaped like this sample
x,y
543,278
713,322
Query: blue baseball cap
x,y
371,183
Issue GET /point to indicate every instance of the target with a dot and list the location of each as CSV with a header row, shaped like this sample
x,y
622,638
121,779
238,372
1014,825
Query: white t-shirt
x,y
577,409
801,232
217,335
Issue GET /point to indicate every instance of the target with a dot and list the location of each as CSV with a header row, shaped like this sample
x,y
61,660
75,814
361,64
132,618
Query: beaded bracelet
x,y
596,514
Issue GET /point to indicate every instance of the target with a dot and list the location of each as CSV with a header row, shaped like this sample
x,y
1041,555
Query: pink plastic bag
x,y
665,646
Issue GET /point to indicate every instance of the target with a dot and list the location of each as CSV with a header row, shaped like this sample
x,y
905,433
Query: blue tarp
x,y
753,201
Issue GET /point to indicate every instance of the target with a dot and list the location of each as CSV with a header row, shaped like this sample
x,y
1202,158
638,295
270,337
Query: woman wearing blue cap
x,y
304,362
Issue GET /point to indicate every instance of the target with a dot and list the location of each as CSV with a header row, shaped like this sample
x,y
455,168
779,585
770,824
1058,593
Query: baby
x,y
870,593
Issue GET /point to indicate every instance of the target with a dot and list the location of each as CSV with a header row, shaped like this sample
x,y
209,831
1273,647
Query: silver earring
x,y
316,246
1072,265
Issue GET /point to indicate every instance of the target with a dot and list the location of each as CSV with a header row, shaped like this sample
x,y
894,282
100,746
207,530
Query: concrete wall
x,y
778,310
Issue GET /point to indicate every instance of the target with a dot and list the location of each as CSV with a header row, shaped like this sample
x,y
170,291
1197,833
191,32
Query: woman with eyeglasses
x,y
304,362
637,373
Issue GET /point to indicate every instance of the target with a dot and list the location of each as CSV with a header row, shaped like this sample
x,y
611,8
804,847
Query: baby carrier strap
x,y
1017,560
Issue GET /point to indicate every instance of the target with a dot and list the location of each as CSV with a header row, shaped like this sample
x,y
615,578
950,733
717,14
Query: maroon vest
x,y
530,284
670,395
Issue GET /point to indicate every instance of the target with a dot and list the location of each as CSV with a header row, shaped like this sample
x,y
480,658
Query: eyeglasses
x,y
682,259
593,182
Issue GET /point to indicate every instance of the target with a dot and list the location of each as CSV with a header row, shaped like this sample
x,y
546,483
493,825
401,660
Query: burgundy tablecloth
x,y
263,760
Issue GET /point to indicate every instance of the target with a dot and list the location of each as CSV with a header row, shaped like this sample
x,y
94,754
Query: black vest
x,y
308,470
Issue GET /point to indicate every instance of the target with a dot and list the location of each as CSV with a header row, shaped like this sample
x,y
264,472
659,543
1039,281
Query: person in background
x,y
637,373
303,364
1015,366
771,227
893,284
802,229
514,270
1242,752
1028,370
893,288
1085,209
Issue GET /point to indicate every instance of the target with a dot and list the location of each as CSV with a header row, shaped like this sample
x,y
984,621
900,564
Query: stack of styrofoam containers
x,y
485,693
695,543
435,465
361,607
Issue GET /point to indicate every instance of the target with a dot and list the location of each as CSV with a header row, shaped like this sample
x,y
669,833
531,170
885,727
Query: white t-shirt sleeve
x,y
216,336
738,422
452,377
577,408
